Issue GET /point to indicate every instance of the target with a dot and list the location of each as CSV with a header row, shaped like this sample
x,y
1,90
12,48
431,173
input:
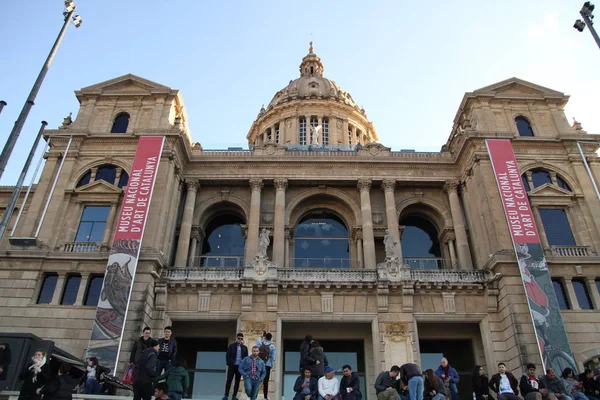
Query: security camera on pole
x,y
588,17
70,8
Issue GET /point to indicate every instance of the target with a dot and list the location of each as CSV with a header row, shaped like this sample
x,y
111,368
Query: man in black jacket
x,y
306,386
304,349
145,371
531,387
350,384
139,346
236,352
385,384
167,352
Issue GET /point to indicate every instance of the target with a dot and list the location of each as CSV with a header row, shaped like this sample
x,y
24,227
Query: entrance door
x,y
460,355
338,352
205,359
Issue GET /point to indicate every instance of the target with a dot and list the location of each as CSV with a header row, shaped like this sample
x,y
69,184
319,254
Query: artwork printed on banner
x,y
543,305
113,303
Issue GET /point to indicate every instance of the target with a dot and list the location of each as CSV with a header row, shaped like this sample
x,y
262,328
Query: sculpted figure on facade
x,y
390,244
314,135
263,243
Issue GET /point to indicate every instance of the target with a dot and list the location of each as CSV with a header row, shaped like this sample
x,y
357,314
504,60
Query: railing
x,y
321,147
421,154
572,251
325,262
450,276
218,261
80,247
326,275
203,274
429,263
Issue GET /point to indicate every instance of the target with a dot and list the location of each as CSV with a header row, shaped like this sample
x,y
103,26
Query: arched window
x,y
523,126
120,123
350,135
85,179
107,173
277,133
420,244
224,242
123,180
325,131
541,177
321,240
302,131
268,135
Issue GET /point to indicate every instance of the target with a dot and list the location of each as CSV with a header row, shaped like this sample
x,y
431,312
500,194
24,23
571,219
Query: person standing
x,y
236,352
481,388
411,374
35,375
350,384
253,370
167,352
316,360
385,384
139,346
505,384
449,376
304,349
177,378
146,372
266,351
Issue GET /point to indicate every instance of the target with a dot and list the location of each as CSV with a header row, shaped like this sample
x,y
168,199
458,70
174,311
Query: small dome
x,y
312,84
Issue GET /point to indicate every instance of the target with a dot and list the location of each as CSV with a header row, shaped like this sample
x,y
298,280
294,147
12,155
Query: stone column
x,y
193,247
108,231
458,219
85,277
388,186
452,253
58,290
594,294
570,294
253,220
288,237
185,231
345,132
359,250
364,186
279,222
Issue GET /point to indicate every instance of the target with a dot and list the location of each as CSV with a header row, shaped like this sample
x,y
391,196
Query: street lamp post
x,y
70,8
586,14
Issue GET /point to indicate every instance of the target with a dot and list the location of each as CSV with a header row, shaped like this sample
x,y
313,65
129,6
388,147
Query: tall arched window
x,y
120,123
277,133
321,240
224,242
420,244
107,173
325,131
302,131
523,126
541,177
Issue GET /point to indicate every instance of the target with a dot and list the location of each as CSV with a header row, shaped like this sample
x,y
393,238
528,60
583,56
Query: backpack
x,y
264,352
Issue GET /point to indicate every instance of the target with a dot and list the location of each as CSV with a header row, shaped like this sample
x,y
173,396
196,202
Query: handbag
x,y
129,375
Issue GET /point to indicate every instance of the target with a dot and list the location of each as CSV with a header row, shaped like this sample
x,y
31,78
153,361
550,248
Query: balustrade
x,y
572,251
80,247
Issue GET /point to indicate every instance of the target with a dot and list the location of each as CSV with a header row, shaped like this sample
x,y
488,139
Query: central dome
x,y
314,113
312,84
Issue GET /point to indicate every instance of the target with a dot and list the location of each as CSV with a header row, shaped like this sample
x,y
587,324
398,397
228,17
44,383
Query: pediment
x,y
518,87
98,187
549,190
126,84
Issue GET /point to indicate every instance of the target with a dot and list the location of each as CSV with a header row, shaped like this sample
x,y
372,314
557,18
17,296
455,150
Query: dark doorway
x,y
338,352
205,359
460,355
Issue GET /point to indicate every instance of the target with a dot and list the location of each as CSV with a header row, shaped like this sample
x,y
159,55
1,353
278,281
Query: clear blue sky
x,y
408,64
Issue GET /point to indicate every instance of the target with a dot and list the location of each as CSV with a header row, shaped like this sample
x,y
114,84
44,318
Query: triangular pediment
x,y
518,87
549,190
100,186
126,84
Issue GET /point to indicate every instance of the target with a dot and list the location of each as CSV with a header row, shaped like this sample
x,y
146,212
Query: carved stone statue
x,y
263,243
390,244
314,135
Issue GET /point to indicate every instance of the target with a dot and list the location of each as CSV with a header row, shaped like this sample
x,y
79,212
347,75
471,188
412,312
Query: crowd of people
x,y
159,372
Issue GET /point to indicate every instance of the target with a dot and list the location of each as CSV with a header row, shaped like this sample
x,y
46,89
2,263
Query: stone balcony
x,y
572,251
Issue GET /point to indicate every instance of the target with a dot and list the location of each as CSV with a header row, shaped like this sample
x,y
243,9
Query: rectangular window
x,y
92,224
71,288
269,136
277,133
582,294
93,290
557,227
349,134
598,284
325,131
47,289
358,134
302,131
561,294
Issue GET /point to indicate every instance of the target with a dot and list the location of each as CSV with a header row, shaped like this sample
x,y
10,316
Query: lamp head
x,y
77,21
70,6
579,25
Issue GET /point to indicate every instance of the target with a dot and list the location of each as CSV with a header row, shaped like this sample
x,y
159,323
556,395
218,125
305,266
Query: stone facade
x,y
476,292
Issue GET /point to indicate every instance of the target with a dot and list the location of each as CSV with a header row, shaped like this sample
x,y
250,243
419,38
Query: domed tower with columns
x,y
312,112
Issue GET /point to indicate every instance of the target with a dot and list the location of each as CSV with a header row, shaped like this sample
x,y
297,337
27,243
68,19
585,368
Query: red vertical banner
x,y
547,321
111,313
